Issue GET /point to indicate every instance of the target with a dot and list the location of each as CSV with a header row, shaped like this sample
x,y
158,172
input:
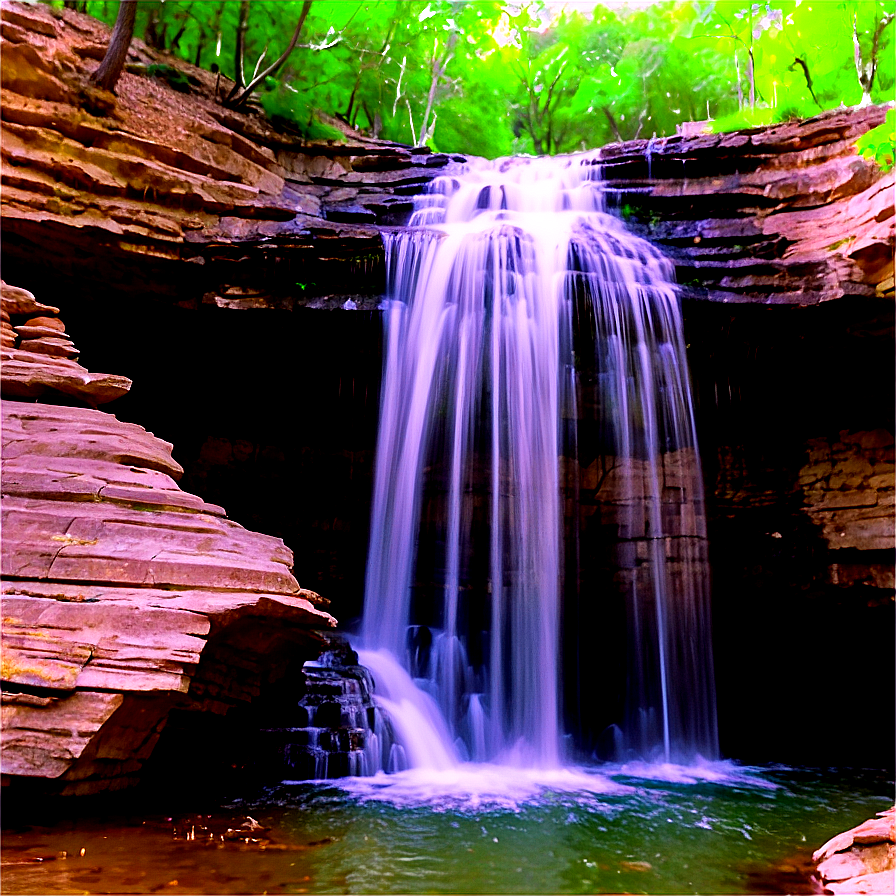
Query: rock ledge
x,y
123,596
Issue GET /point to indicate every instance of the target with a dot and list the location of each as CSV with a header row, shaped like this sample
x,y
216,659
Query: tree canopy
x,y
493,78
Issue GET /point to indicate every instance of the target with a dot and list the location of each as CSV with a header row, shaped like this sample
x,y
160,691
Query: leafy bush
x,y
879,143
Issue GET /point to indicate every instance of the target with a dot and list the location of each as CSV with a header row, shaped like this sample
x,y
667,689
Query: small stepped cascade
x,y
336,730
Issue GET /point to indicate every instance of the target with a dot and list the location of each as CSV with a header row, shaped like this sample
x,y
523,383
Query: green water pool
x,y
725,829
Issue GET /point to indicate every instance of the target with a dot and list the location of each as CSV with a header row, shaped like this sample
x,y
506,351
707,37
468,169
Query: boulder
x,y
861,860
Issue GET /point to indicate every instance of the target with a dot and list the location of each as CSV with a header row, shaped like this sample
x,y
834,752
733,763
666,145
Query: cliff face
x,y
218,207
123,596
190,247
207,204
787,214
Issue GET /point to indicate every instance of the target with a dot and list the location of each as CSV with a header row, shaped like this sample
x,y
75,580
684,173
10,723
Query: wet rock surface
x,y
123,595
861,860
333,729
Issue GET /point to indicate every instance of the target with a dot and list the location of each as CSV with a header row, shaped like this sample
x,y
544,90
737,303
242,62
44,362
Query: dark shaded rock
x,y
348,213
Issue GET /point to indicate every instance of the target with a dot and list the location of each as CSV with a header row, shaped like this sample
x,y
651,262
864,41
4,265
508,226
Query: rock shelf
x,y
861,860
124,596
785,214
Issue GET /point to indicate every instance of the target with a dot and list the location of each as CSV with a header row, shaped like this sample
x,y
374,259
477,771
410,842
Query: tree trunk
x,y
740,86
752,81
242,27
437,71
272,69
805,67
107,75
866,71
613,124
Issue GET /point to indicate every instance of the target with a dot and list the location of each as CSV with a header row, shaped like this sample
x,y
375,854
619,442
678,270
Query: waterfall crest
x,y
530,340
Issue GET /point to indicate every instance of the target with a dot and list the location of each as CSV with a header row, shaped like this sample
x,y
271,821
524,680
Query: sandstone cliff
x,y
215,206
123,596
786,214
175,185
783,241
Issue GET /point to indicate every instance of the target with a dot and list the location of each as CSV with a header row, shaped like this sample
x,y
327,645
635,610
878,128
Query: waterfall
x,y
535,391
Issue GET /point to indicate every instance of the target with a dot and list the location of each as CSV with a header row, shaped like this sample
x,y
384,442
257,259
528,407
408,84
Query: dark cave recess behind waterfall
x,y
274,415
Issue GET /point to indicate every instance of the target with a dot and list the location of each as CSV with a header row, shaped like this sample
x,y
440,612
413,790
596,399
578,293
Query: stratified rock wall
x,y
177,186
123,596
785,214
218,207
848,486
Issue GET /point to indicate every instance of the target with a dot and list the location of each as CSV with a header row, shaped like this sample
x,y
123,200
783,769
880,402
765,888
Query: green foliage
x,y
492,78
288,109
879,143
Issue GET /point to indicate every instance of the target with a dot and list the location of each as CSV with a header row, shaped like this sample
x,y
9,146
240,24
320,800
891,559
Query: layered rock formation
x,y
177,186
159,196
219,207
787,214
124,597
861,860
849,489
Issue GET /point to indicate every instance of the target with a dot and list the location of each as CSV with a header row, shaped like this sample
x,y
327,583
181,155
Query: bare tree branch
x,y
277,64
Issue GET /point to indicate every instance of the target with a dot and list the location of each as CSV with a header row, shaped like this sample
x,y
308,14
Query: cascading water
x,y
535,381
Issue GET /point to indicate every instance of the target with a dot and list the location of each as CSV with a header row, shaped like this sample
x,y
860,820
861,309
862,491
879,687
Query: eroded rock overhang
x,y
165,195
124,597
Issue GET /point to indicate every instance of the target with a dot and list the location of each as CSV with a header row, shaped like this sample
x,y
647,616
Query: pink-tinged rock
x,y
32,375
8,334
125,645
861,860
57,431
28,331
44,741
880,884
876,830
52,324
122,593
841,866
16,300
49,345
